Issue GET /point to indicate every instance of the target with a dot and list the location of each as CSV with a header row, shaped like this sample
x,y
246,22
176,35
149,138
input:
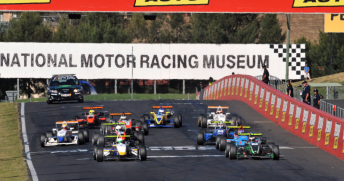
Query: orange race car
x,y
92,117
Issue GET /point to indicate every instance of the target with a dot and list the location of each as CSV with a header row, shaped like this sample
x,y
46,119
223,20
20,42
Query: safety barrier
x,y
313,125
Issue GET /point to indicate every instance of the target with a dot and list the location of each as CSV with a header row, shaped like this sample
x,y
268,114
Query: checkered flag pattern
x,y
297,57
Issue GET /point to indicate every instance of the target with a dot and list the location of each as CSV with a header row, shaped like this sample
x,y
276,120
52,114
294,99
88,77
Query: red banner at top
x,y
200,6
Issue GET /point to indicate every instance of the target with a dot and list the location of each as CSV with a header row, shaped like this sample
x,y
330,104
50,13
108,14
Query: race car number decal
x,y
141,3
24,1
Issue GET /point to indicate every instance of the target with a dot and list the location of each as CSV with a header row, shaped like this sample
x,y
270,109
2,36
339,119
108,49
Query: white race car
x,y
218,115
65,133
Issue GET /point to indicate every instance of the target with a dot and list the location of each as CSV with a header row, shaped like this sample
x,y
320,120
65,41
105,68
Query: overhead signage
x,y
147,61
334,23
182,6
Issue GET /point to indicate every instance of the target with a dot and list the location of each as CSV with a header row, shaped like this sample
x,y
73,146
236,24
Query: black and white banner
x,y
147,61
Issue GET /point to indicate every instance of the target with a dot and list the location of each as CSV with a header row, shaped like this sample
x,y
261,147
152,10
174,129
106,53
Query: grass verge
x,y
107,97
12,164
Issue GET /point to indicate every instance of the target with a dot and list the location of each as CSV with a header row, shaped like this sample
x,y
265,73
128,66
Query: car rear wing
x,y
120,114
73,125
215,107
163,107
111,124
250,134
240,127
97,107
221,122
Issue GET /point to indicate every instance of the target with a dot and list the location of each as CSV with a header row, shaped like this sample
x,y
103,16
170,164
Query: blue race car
x,y
162,119
218,135
233,136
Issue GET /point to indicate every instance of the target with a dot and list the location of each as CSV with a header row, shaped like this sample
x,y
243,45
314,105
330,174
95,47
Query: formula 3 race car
x,y
131,124
118,147
162,118
232,136
117,129
218,115
92,118
65,133
256,147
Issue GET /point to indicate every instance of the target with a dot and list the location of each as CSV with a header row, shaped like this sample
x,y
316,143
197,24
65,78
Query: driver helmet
x,y
219,110
118,127
64,126
119,140
240,130
123,118
252,139
221,126
91,112
161,110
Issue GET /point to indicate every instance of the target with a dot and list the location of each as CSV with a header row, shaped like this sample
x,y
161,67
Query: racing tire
x,y
176,122
95,138
101,141
223,142
49,134
271,144
143,153
232,151
86,135
139,124
81,101
43,137
81,138
142,119
108,120
228,147
95,148
49,102
145,128
108,130
200,138
199,120
99,155
275,151
239,121
180,119
204,122
146,116
135,134
141,138
218,138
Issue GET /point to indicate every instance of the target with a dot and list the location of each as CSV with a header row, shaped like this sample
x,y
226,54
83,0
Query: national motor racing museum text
x,y
142,61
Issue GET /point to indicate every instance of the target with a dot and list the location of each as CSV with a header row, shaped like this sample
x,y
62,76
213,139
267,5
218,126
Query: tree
x,y
318,54
102,28
270,30
224,28
138,27
28,27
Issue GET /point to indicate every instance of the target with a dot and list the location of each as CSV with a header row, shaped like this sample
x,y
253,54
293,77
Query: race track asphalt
x,y
185,160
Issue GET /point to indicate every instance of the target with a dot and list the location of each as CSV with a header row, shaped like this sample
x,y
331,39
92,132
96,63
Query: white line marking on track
x,y
26,145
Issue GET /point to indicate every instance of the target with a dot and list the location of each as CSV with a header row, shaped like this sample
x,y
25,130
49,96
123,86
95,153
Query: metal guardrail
x,y
332,109
282,86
